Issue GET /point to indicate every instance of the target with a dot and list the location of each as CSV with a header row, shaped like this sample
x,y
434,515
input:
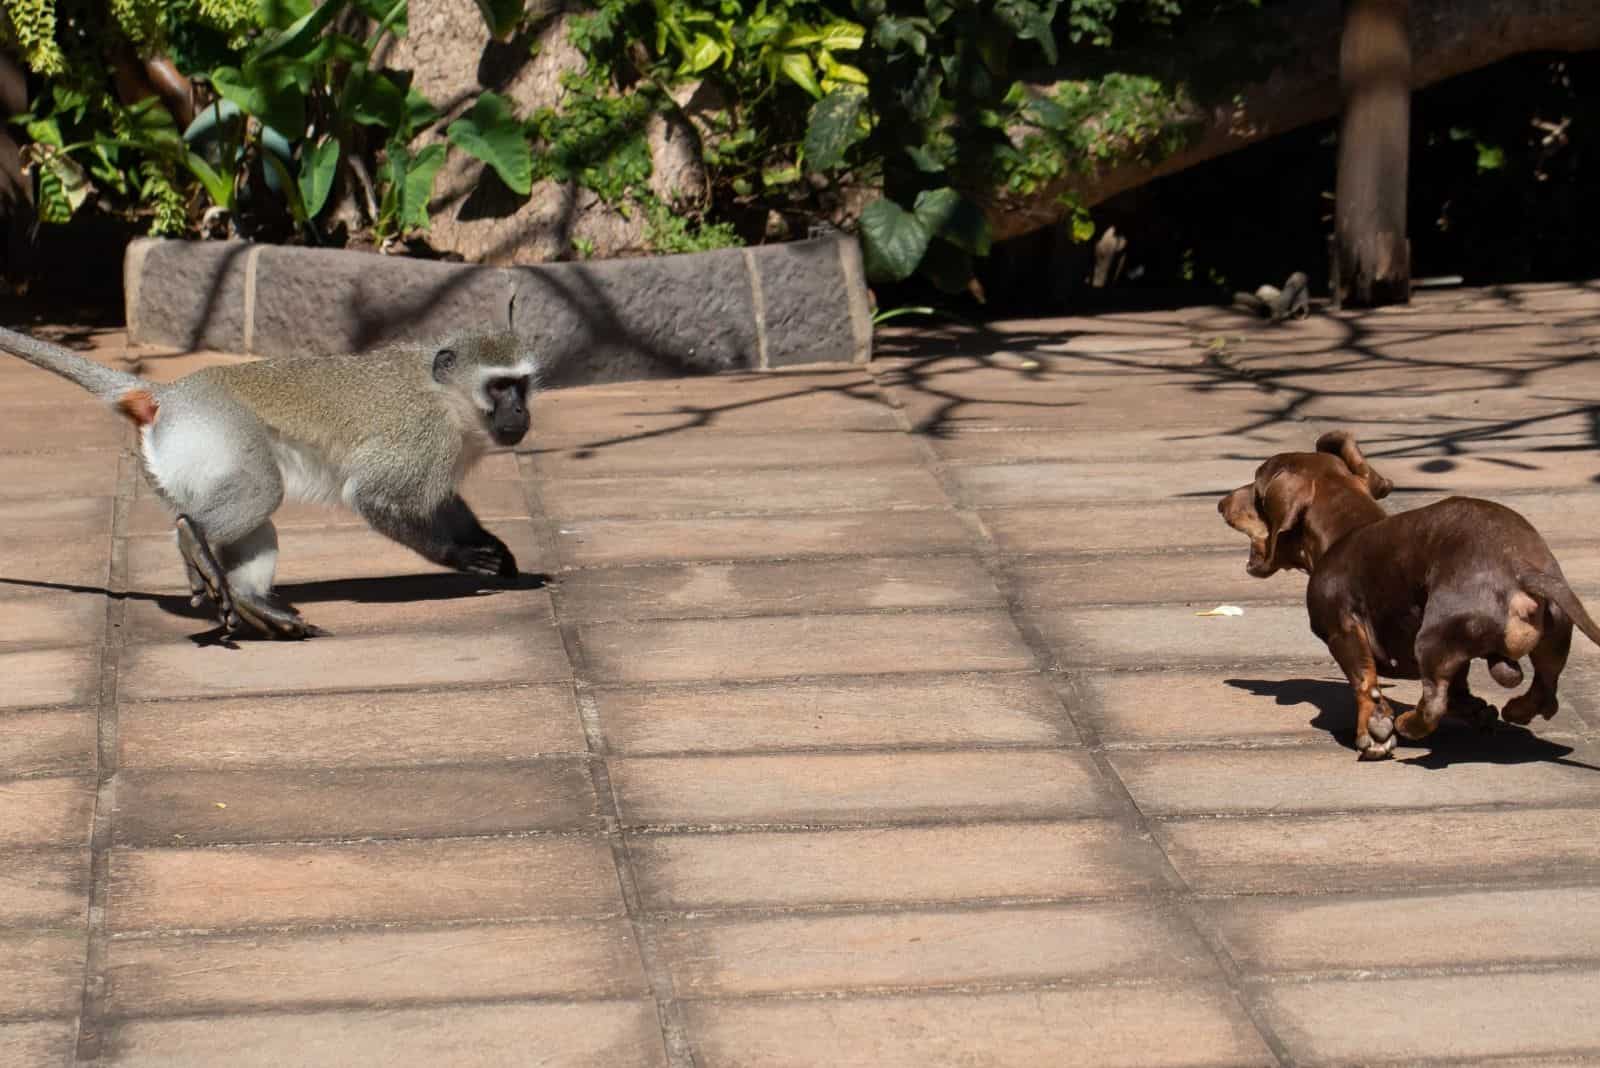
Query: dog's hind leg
x,y
1440,659
1374,718
1549,658
1469,706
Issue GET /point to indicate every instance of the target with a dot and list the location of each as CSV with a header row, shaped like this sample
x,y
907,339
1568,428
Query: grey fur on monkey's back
x,y
374,409
274,389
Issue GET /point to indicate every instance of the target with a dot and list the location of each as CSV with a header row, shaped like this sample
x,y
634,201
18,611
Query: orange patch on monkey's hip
x,y
140,406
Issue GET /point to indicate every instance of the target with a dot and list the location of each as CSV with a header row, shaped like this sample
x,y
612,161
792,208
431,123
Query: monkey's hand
x,y
490,557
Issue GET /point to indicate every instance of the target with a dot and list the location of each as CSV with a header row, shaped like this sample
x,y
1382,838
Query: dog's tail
x,y
1548,587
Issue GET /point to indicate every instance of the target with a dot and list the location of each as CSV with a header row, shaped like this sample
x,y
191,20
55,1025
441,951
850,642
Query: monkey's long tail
x,y
111,387
1555,588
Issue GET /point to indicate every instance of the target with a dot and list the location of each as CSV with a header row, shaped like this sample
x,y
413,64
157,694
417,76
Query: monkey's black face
x,y
508,419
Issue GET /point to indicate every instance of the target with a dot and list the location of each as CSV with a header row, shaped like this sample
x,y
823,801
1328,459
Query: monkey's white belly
x,y
307,477
188,465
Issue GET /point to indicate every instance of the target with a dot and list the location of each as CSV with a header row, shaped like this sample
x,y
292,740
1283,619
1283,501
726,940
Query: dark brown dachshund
x,y
1416,595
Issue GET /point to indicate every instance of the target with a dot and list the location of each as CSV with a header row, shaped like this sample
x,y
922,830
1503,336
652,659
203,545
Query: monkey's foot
x,y
491,558
206,575
234,612
275,621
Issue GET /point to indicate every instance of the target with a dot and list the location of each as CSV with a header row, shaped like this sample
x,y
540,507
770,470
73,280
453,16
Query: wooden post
x,y
1373,255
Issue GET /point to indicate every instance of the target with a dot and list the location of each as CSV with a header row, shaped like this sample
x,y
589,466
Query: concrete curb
x,y
734,309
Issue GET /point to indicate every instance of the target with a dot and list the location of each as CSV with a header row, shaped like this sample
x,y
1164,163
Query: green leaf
x,y
387,14
45,131
376,99
841,36
796,66
893,241
301,36
925,161
832,127
780,175
218,188
267,94
703,52
1030,21
501,16
891,34
419,186
836,72
1046,113
953,217
419,112
317,169
492,133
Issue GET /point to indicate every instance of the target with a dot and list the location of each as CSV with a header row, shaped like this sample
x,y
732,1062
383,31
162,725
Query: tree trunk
x,y
1371,250
1449,37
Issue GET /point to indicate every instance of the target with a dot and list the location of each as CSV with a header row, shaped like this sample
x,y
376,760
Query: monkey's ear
x,y
444,361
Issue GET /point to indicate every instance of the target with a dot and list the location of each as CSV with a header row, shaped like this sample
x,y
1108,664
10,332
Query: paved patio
x,y
865,719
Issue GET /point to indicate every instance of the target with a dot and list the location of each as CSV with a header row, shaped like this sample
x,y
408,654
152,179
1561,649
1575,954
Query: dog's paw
x,y
1475,710
1379,741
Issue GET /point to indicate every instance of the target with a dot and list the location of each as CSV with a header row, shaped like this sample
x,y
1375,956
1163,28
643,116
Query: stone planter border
x,y
734,309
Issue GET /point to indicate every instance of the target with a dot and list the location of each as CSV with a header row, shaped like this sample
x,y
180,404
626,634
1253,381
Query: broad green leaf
x,y
834,71
893,241
492,133
781,175
279,14
935,207
703,52
925,160
891,34
796,66
45,131
150,123
1044,112
377,100
419,113
318,167
263,94
218,188
301,36
832,127
953,217
501,16
841,36
419,185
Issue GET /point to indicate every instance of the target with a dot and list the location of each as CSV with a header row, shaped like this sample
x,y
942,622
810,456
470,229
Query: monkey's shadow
x,y
1455,742
389,589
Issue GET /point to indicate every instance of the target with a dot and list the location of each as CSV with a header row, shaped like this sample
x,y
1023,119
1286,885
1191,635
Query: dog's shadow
x,y
1455,742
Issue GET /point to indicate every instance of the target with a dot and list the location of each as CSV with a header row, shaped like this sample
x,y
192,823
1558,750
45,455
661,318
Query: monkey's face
x,y
486,371
508,414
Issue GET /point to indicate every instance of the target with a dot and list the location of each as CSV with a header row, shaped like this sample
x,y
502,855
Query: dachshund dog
x,y
1417,595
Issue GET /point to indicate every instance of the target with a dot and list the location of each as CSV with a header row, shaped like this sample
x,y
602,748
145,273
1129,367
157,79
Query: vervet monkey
x,y
1293,301
391,433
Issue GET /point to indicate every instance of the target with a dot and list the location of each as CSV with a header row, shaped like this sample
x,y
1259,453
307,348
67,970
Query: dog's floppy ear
x,y
1264,511
1342,443
1285,498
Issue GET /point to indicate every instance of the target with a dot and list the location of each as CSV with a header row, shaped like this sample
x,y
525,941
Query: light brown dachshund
x,y
1417,595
